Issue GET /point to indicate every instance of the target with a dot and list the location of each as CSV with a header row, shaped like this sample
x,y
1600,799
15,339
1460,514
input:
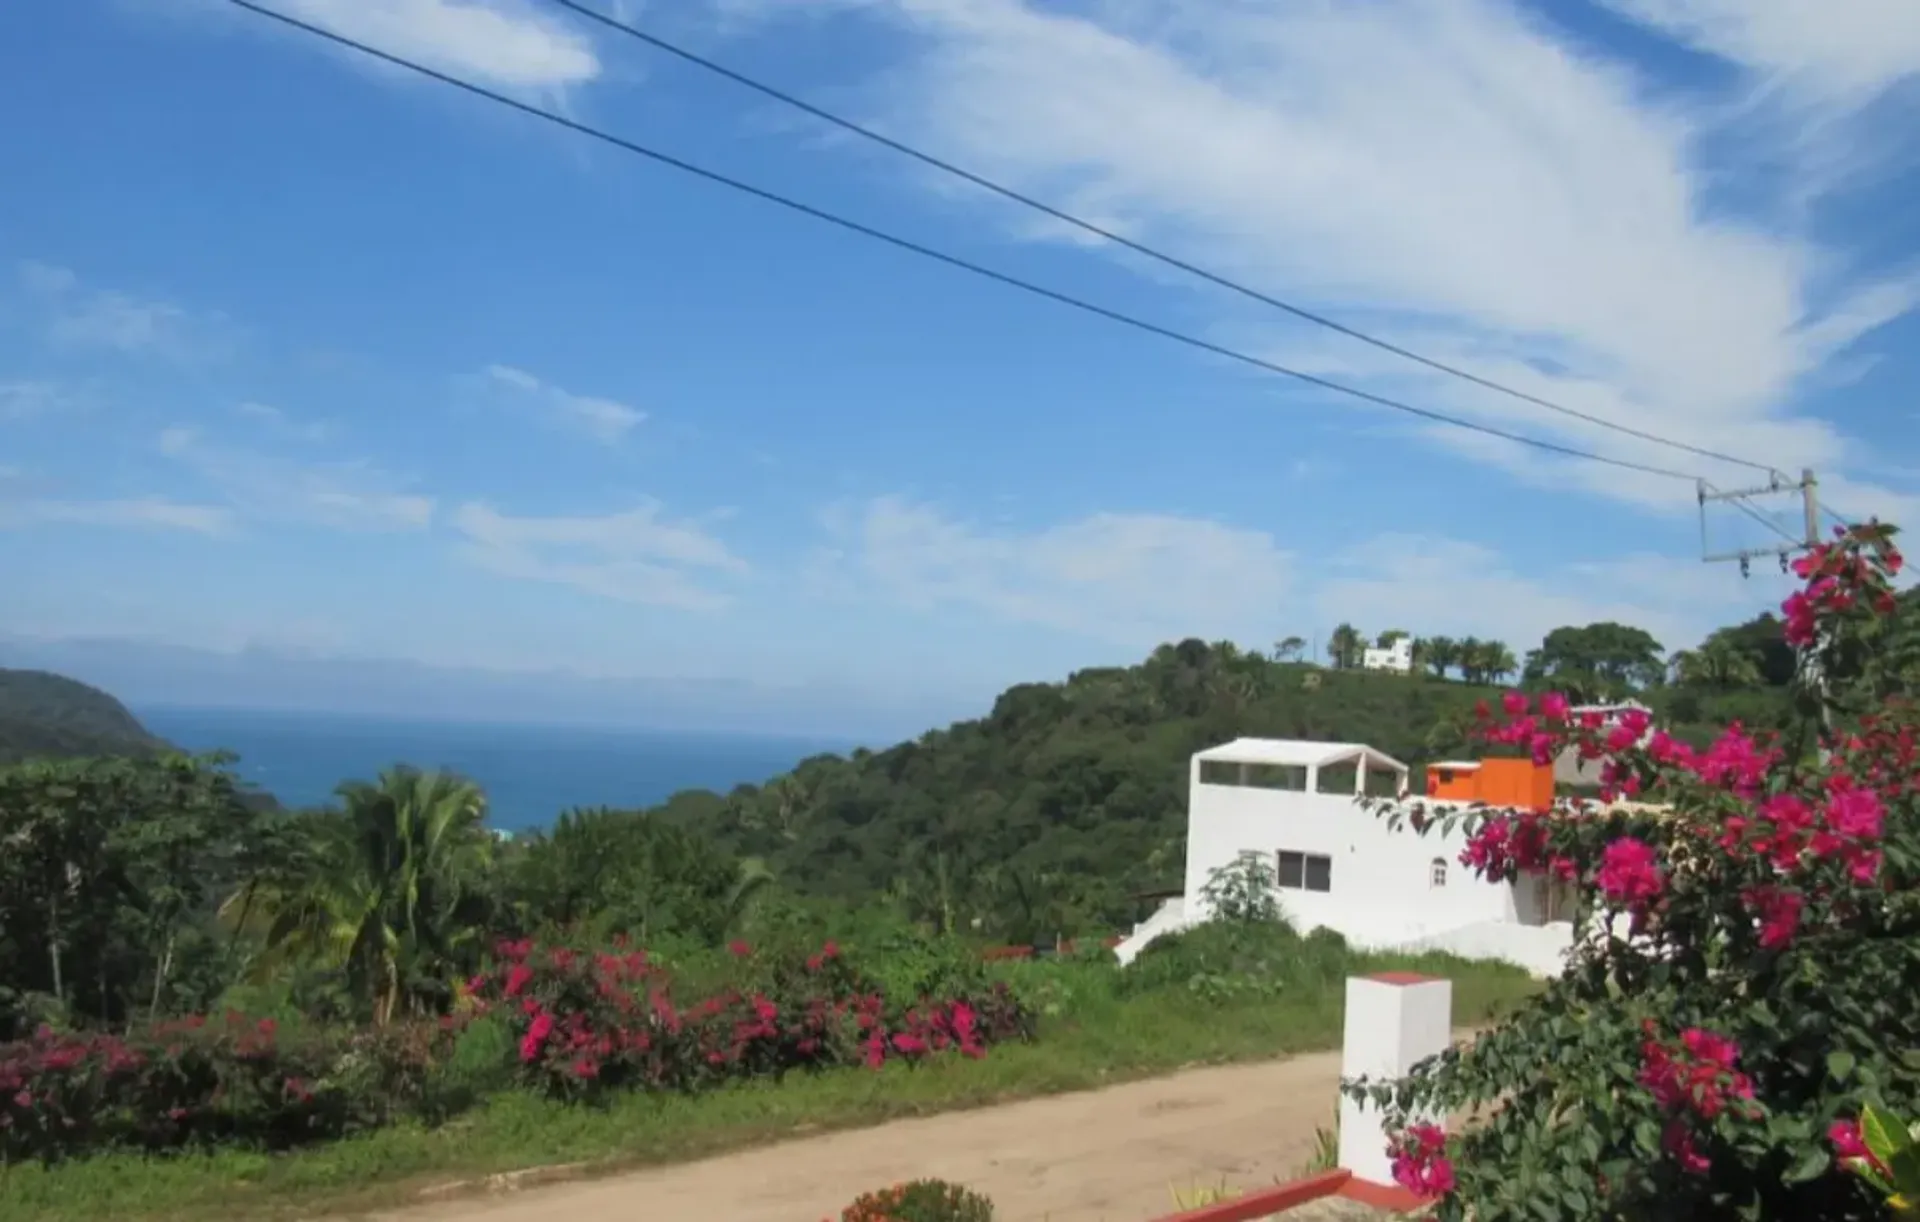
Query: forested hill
x,y
1066,803
44,714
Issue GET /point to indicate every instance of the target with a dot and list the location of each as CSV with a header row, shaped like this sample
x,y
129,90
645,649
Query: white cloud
x,y
147,513
605,420
280,422
344,495
1134,579
1847,54
75,316
1454,173
637,555
509,44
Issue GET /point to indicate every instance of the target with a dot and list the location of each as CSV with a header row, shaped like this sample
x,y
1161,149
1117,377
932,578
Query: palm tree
x,y
1345,647
1440,654
755,877
1289,649
1488,661
388,892
1717,663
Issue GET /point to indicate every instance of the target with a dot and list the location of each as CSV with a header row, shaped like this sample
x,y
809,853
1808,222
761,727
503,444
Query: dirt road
x,y
1100,1156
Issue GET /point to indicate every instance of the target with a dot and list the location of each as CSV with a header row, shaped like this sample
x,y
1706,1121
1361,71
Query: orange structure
x,y
1516,783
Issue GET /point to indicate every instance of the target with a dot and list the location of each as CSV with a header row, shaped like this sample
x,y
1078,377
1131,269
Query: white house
x,y
1569,768
1338,866
1395,657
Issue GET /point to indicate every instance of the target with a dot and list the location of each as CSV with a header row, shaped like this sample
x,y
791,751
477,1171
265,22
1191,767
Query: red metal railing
x,y
1268,1202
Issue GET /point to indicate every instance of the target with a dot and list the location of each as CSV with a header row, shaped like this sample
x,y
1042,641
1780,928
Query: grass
x,y
1092,1034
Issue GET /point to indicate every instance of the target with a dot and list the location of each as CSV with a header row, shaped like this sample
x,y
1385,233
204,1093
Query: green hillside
x,y
1065,806
44,714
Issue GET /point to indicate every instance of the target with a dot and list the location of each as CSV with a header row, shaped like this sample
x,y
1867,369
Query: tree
x,y
1763,640
1719,662
1243,891
1345,647
1289,649
603,872
390,891
1485,661
106,865
1739,980
1387,638
1439,653
1598,662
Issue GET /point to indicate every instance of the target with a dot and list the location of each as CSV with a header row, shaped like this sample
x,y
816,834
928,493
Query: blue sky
x,y
304,360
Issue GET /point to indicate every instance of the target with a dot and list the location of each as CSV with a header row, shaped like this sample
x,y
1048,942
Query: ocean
x,y
530,773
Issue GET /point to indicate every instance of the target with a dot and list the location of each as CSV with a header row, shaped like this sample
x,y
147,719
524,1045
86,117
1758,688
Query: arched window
x,y
1437,872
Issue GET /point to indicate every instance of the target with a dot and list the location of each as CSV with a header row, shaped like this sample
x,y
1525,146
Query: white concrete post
x,y
1395,1020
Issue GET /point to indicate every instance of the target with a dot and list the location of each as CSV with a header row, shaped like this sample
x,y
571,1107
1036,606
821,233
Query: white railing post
x,y
1394,1021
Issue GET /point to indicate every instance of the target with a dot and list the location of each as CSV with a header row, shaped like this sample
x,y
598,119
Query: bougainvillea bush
x,y
920,1201
199,1081
1884,1151
581,1023
1743,979
585,1023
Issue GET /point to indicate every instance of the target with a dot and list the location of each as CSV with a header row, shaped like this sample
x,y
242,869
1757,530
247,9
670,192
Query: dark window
x,y
1277,776
1319,873
1304,872
1339,778
1293,869
1219,772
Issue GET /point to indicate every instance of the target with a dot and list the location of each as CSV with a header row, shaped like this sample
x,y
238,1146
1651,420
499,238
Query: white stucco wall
x,y
1382,892
1540,949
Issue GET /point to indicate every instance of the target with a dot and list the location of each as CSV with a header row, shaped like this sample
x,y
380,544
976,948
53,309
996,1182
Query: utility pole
x,y
1809,489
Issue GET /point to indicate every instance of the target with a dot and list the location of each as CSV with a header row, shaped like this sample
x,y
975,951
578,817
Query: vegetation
x,y
1740,993
1885,1152
1065,805
50,716
396,992
920,1201
463,1098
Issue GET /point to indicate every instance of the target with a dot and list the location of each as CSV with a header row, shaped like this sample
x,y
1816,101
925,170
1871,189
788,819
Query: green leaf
x,y
1884,1137
1840,1065
1812,1163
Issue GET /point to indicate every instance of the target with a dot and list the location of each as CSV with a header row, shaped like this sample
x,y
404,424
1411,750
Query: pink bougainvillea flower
x,y
1420,1164
1677,1140
1778,911
1629,873
1850,1144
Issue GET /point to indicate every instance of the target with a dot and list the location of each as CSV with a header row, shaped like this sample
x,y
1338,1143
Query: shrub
x,y
1243,891
1743,958
920,1201
232,1080
1885,1152
1221,962
585,1023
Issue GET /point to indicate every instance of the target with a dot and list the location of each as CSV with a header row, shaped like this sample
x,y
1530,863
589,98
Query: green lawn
x,y
1089,1037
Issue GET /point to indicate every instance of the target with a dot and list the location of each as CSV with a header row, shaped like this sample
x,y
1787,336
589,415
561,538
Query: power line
x,y
1139,248
954,261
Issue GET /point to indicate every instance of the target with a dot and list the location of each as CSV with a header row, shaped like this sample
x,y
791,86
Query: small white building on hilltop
x,y
1397,657
1296,803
